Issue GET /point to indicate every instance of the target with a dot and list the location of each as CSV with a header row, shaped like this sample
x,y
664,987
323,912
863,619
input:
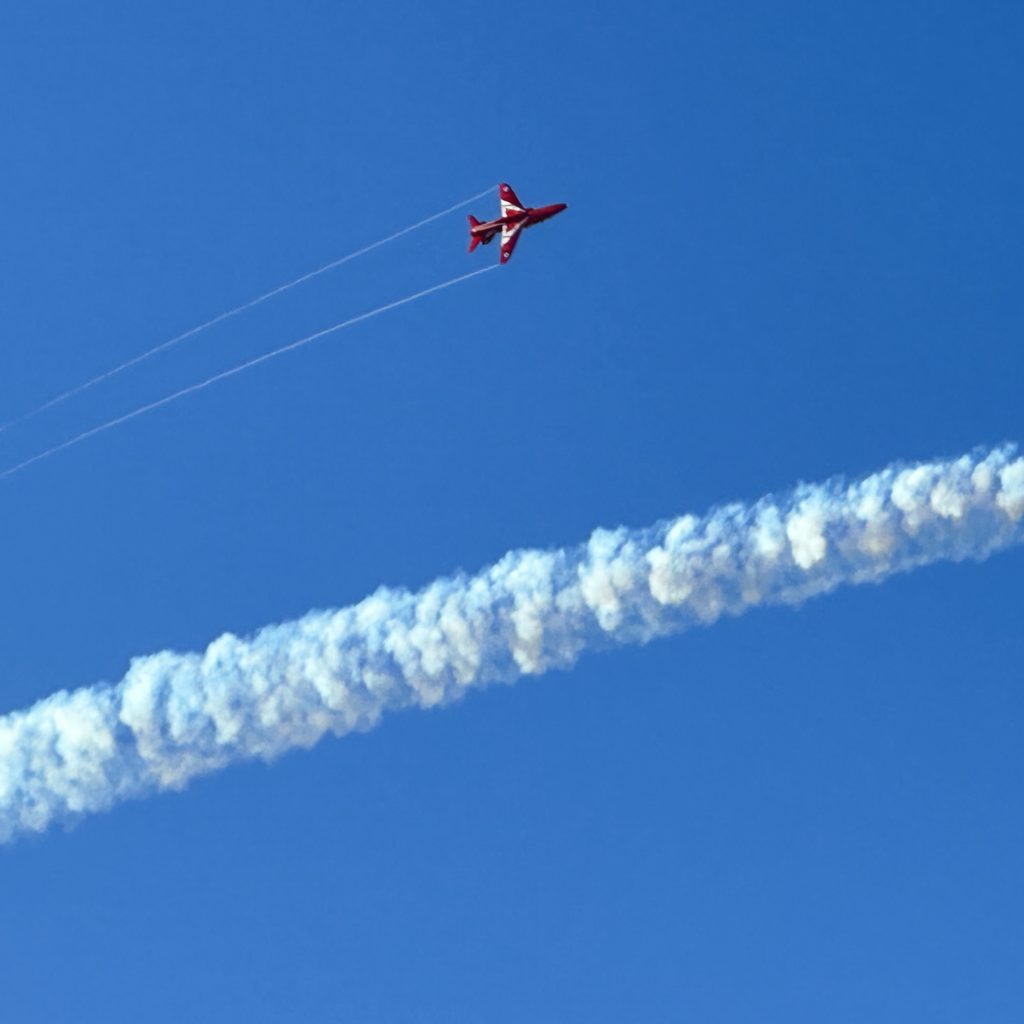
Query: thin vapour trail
x,y
175,717
234,370
221,317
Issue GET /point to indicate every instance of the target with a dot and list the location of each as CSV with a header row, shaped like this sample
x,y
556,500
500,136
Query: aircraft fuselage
x,y
533,215
514,218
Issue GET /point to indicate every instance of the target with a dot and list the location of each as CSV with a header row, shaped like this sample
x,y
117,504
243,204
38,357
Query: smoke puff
x,y
177,716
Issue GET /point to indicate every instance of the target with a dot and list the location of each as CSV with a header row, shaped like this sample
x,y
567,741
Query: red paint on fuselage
x,y
533,215
515,218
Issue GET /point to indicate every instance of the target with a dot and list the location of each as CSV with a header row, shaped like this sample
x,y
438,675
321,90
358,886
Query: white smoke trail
x,y
221,317
234,370
177,716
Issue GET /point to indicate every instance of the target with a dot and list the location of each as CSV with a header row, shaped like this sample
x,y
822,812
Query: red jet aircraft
x,y
514,217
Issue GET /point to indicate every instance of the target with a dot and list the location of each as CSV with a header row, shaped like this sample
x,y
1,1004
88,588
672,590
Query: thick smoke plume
x,y
177,716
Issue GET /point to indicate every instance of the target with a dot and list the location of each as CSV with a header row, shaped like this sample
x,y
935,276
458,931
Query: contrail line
x,y
175,717
221,317
240,368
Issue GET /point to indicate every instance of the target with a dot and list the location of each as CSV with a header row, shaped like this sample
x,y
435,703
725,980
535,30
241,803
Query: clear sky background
x,y
793,249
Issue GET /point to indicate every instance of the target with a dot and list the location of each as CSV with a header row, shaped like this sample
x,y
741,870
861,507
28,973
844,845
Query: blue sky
x,y
792,250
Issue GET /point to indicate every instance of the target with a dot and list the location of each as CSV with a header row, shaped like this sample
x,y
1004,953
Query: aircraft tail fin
x,y
474,240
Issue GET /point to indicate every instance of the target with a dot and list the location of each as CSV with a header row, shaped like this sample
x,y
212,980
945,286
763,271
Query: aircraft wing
x,y
509,200
509,236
